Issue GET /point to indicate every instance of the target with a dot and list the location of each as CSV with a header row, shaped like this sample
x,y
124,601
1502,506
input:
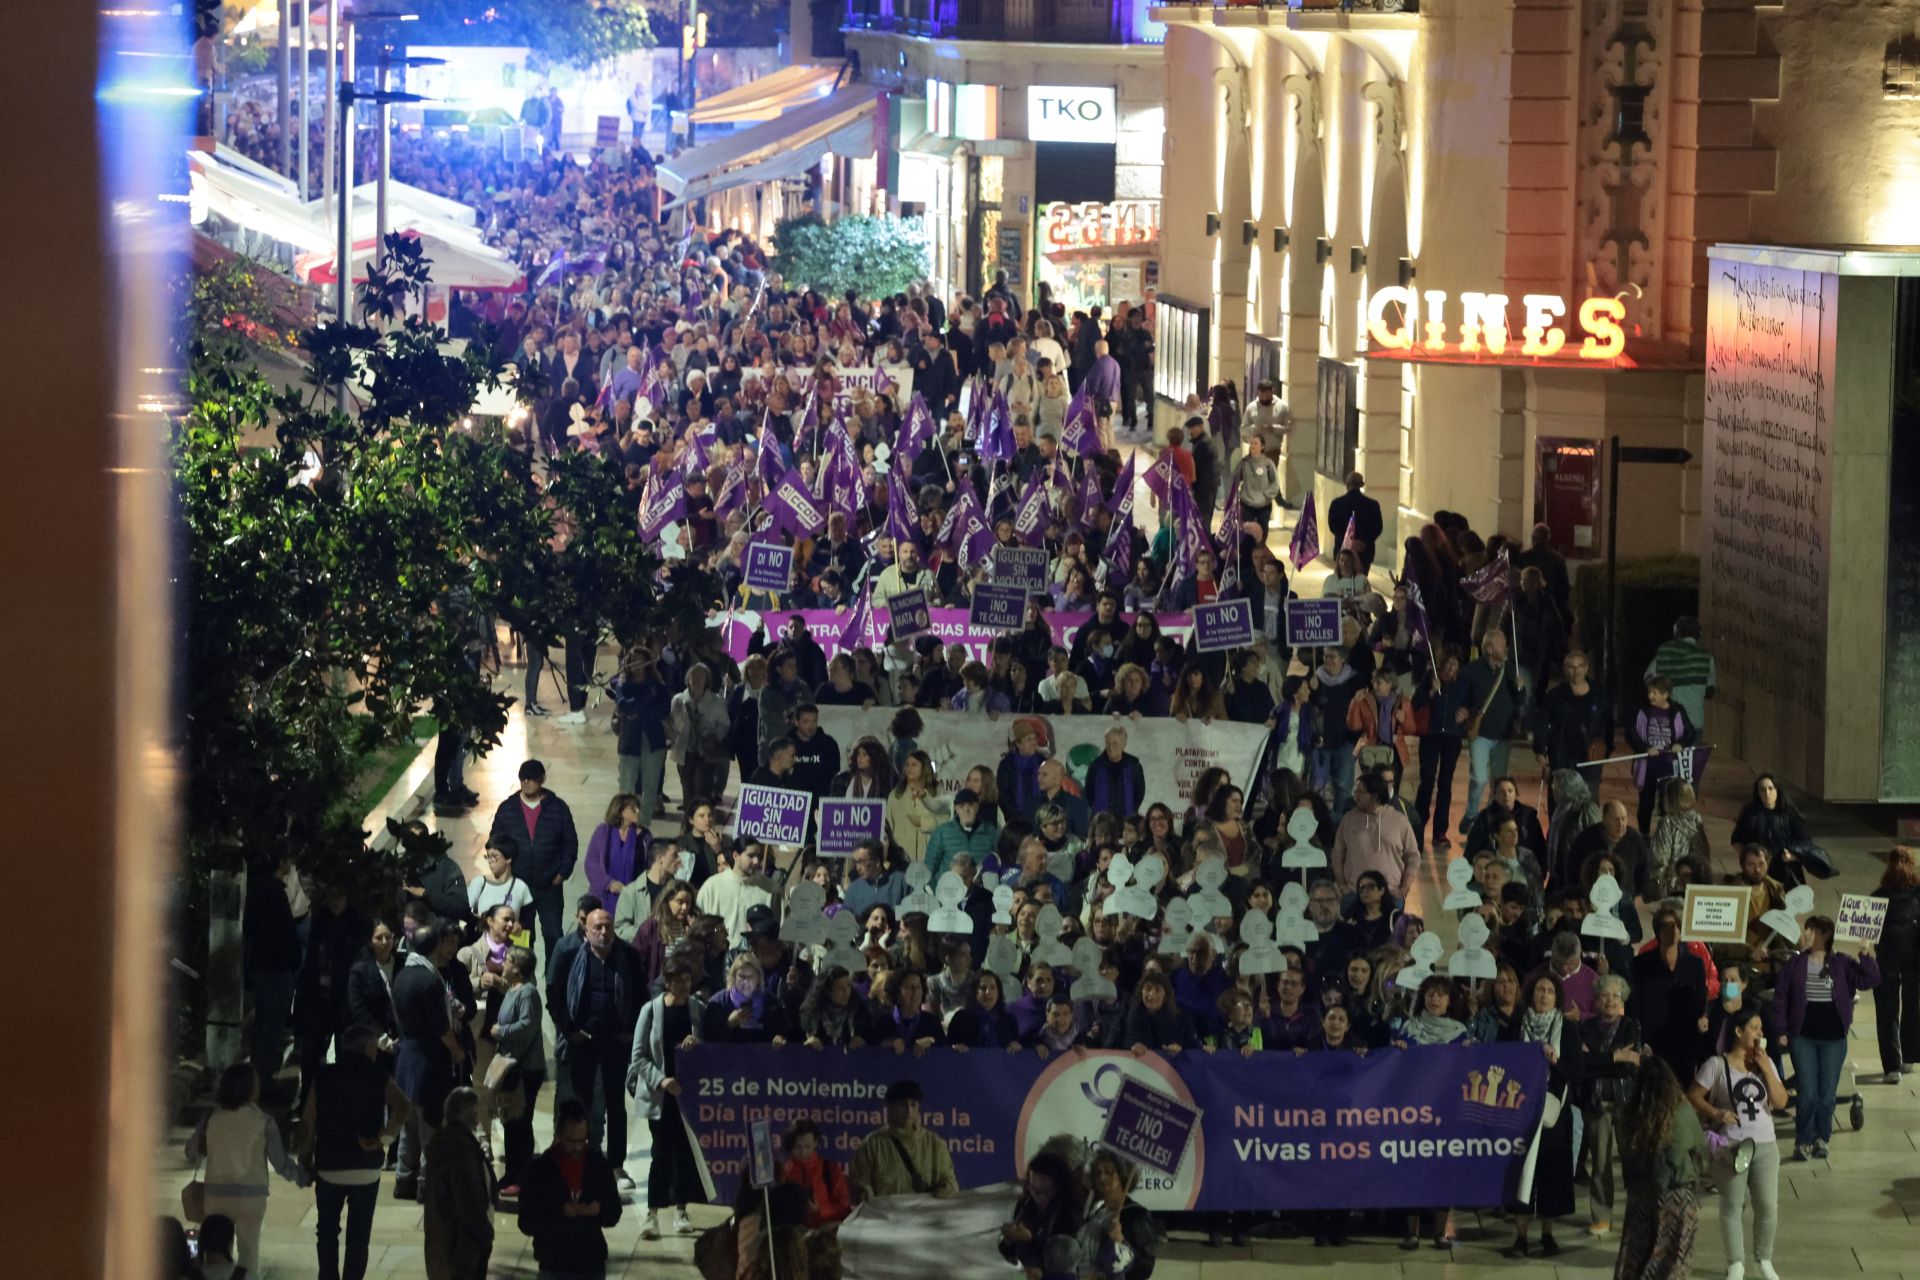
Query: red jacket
x,y
826,1183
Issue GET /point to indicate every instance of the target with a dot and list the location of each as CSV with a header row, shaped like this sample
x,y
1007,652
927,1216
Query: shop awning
x,y
932,144
767,97
794,127
449,265
854,140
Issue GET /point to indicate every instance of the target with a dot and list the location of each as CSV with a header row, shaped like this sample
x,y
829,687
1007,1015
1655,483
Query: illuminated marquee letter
x,y
1542,338
1400,339
1483,316
1601,318
1434,332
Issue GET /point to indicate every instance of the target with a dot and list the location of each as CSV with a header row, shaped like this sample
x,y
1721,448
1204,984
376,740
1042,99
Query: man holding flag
x,y
1354,508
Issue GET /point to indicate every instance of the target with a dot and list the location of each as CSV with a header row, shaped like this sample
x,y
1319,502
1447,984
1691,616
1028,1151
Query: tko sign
x,y
1422,324
1070,113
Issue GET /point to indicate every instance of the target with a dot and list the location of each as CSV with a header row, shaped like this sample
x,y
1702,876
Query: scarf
x,y
834,1019
1541,1028
1383,718
1424,1028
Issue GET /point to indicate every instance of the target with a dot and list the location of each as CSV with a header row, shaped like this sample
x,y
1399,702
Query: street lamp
x,y
386,62
343,244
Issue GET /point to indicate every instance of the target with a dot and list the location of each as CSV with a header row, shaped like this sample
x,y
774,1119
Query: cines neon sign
x,y
1482,332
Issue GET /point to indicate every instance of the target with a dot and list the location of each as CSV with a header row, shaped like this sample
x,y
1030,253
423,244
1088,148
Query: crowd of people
x,y
727,399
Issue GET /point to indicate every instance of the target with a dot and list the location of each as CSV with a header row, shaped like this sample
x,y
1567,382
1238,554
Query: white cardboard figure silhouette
x,y
1291,926
1263,954
1302,828
1463,896
1786,921
1003,904
918,900
1427,950
1472,959
805,925
1049,949
1176,928
1089,984
1601,922
1003,957
950,918
843,940
1206,902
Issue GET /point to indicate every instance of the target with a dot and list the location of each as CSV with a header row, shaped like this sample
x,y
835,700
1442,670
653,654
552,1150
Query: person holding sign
x,y
1897,1007
1812,1012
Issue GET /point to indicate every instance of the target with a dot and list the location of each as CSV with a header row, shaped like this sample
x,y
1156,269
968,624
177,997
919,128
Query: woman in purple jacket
x,y
1812,1010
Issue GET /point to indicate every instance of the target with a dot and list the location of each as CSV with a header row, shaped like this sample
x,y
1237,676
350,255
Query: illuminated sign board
x,y
1098,225
1071,113
1422,325
968,112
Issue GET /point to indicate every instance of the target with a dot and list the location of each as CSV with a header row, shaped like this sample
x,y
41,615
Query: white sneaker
x,y
1766,1270
650,1229
682,1224
572,717
1736,1271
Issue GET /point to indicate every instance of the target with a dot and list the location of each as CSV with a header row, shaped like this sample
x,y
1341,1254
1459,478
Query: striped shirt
x,y
1819,984
1684,662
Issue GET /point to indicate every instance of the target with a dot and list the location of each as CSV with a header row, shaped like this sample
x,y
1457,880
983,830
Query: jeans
x,y
518,1140
1439,754
1761,1183
547,904
701,780
645,776
358,1201
449,763
580,657
1480,772
414,1137
536,663
1816,1073
1896,1011
1600,1151
272,1006
603,1059
1335,764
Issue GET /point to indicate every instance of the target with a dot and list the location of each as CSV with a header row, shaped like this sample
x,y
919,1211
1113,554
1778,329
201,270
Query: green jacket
x,y
950,838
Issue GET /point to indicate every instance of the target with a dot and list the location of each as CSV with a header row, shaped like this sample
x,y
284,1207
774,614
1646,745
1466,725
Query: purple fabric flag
x,y
841,473
1418,628
1159,476
733,491
768,466
1350,540
859,625
1229,543
1492,583
1116,561
1081,434
902,527
916,433
1030,519
997,433
698,454
1189,533
663,501
1087,496
795,507
554,270
1305,547
965,533
1124,492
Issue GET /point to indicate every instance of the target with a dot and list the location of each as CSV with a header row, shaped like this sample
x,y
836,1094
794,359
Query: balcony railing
x,y
1047,21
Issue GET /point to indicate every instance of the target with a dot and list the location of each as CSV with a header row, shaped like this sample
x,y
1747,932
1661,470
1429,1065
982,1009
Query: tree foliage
x,y
579,33
873,256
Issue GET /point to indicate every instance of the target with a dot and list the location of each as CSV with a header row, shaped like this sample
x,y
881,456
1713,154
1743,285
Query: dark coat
x,y
1362,510
630,990
423,1067
456,1194
559,1242
369,1002
551,851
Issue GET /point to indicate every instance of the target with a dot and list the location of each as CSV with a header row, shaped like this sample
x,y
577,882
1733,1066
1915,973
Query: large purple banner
x,y
1414,1128
950,625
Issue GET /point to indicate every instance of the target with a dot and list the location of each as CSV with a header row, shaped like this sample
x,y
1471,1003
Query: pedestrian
x,y
1490,706
1897,1006
1356,510
903,1156
1661,1148
240,1143
1687,665
519,1035
353,1112
619,850
1610,1060
600,994
456,1194
1543,1022
536,827
1812,1012
829,1198
569,1200
1660,731
1736,1094
1770,820
430,1046
641,704
697,729
669,1024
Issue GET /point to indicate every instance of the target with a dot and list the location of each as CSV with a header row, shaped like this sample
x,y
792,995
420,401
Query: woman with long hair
x,y
869,772
1196,697
617,852
1543,1022
1812,1012
914,807
1770,820
982,783
702,837
833,1014
1225,817
1737,1092
984,1021
1050,1205
1661,1146
663,931
1897,1006
1678,834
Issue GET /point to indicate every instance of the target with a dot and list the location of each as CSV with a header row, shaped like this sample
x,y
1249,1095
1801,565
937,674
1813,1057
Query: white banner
x,y
1172,754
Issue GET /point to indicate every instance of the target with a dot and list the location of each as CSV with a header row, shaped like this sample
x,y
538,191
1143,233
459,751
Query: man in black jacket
x,y
816,756
430,1048
1496,696
1363,511
598,1004
936,377
273,957
536,827
569,1198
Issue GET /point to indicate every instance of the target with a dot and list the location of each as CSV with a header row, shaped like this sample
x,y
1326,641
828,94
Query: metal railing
x,y
1047,21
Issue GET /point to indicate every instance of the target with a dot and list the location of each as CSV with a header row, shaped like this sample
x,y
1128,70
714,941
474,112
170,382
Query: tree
x,y
580,34
872,256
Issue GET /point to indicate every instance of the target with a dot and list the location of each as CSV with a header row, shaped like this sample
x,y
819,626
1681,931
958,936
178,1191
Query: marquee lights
x,y
1480,325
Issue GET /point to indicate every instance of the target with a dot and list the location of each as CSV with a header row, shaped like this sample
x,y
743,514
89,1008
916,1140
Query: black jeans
x,y
1439,753
449,763
672,1178
330,1198
548,904
580,656
1896,1011
517,1151
604,1058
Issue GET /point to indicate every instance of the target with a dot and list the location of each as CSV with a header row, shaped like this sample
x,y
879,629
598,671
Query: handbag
x,y
716,1254
500,1071
1473,724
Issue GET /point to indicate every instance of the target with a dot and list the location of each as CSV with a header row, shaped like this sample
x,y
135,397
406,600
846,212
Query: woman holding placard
x,y
1813,1009
1544,1023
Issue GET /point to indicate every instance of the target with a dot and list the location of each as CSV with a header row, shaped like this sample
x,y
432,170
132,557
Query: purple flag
x,y
795,507
1081,434
1030,519
1159,476
1116,561
1229,543
663,501
1350,540
1305,547
841,474
902,526
1087,495
964,533
697,453
1491,583
1418,628
859,625
997,433
1124,493
733,491
917,432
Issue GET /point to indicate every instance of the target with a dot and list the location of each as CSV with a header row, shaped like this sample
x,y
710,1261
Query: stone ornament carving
x,y
1622,146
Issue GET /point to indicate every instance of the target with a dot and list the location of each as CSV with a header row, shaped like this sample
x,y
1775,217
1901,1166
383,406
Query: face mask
x,y
1730,991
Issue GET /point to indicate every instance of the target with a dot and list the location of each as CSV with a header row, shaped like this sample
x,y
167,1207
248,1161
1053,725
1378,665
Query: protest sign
x,y
769,567
997,608
1715,913
1022,567
910,614
1224,624
1427,1126
1861,918
775,815
738,628
844,823
1313,622
1149,1128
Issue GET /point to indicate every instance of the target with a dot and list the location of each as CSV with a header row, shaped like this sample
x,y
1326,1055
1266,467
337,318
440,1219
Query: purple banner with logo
x,y
997,608
845,822
773,814
1414,1128
1225,624
768,567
